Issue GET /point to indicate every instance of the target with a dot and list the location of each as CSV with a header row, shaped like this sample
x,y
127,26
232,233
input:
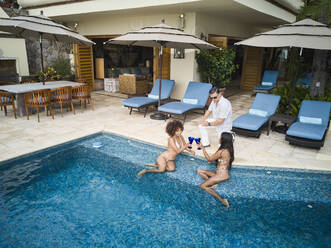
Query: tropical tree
x,y
319,10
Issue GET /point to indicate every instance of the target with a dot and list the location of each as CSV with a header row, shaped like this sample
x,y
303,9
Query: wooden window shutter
x,y
252,66
84,64
165,63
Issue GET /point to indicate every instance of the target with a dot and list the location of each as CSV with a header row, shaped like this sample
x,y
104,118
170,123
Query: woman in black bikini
x,y
224,157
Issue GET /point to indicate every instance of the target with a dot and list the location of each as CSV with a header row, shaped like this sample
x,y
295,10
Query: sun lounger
x,y
311,126
268,82
196,96
152,98
250,124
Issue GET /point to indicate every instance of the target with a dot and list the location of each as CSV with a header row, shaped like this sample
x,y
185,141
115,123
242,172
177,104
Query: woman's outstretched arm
x,y
209,158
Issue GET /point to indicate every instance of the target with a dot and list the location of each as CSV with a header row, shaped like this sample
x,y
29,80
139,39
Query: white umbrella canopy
x,y
33,26
161,35
304,34
41,27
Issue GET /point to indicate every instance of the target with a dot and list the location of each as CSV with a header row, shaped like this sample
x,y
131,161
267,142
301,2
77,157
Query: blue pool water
x,y
86,194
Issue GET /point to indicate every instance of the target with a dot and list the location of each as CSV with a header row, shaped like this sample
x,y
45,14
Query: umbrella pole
x,y
41,58
158,115
294,83
160,86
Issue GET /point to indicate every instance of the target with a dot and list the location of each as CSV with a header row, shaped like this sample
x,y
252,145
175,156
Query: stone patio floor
x,y
22,136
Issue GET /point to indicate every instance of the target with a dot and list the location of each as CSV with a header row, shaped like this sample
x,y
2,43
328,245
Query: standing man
x,y
221,110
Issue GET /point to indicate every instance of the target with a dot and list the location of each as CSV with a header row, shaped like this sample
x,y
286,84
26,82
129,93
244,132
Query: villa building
x,y
221,22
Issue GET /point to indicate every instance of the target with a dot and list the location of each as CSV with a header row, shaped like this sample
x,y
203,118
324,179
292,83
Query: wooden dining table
x,y
20,89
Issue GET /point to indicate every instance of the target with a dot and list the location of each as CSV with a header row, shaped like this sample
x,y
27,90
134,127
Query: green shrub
x,y
63,67
300,94
216,66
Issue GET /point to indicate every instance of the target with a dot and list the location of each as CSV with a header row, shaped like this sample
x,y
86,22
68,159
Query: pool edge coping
x,y
103,132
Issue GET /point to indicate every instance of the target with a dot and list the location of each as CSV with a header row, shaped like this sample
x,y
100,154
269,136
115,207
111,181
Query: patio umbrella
x,y
303,34
161,36
41,27
306,33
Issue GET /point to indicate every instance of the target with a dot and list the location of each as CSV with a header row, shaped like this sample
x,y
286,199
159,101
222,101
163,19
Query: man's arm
x,y
217,122
204,118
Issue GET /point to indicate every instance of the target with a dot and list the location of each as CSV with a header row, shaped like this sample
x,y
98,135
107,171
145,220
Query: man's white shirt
x,y
222,109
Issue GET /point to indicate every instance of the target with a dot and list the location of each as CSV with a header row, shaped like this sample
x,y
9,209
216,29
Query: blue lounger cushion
x,y
268,81
263,87
196,96
307,131
178,107
250,122
313,120
263,107
137,102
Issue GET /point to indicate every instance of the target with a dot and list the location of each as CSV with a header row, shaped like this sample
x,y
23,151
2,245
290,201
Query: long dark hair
x,y
227,143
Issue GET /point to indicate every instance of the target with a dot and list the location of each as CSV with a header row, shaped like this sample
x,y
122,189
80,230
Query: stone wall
x,y
51,51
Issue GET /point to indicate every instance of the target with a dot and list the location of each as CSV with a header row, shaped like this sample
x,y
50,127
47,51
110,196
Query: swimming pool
x,y
77,195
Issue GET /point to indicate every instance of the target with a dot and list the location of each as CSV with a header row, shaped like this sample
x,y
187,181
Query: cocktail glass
x,y
197,140
190,139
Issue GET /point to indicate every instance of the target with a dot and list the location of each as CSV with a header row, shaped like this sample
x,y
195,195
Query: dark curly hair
x,y
173,126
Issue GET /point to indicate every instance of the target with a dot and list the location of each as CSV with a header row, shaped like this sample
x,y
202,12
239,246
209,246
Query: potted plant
x,y
112,72
49,75
216,66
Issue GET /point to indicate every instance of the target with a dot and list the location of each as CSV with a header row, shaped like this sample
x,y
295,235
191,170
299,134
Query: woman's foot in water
x,y
141,173
225,203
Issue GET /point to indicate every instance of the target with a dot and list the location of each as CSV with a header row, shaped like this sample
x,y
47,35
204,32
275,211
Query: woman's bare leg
x,y
171,165
205,174
207,187
152,165
161,167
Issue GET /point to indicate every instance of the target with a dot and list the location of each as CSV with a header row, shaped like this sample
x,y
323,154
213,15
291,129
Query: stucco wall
x,y
107,24
271,9
183,70
16,48
209,24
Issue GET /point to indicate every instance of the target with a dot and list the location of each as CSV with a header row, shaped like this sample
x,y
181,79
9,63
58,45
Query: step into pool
x,y
86,193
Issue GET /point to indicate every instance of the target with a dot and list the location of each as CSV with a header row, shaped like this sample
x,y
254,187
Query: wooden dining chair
x,y
63,95
37,99
82,93
7,99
